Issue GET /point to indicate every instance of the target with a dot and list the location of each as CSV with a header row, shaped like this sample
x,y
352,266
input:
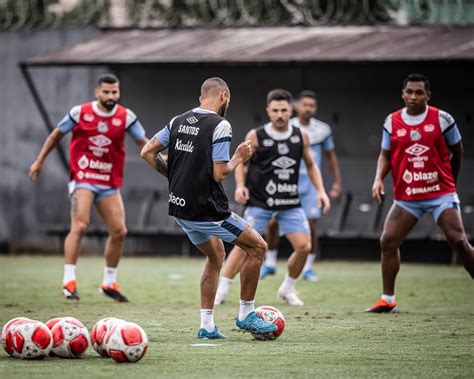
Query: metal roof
x,y
272,45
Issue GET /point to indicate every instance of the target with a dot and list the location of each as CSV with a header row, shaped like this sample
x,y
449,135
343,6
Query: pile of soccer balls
x,y
67,337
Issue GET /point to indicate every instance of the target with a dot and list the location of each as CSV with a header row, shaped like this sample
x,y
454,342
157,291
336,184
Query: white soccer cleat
x,y
290,296
221,298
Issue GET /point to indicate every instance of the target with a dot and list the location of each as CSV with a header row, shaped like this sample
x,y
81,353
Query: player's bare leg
x,y
451,224
254,247
301,243
397,225
112,213
270,264
215,254
233,263
81,204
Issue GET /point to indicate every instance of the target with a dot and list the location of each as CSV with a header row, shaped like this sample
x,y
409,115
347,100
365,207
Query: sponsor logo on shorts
x,y
192,120
267,142
283,149
116,121
417,149
401,132
187,147
429,128
421,190
89,117
186,129
415,135
179,201
102,127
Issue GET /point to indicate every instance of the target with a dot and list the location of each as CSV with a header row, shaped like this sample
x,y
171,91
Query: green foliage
x,y
330,336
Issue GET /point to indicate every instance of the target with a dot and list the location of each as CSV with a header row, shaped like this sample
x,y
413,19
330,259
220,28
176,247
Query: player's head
x,y
279,107
107,91
416,92
306,104
216,91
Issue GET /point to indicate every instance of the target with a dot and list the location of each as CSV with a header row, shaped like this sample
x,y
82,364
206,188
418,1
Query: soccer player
x,y
97,155
422,146
198,143
321,141
269,188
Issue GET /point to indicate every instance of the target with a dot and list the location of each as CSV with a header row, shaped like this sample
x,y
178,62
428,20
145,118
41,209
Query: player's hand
x,y
335,191
378,190
35,170
244,151
241,195
324,202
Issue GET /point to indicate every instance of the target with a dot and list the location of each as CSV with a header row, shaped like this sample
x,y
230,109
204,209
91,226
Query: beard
x,y
109,104
223,109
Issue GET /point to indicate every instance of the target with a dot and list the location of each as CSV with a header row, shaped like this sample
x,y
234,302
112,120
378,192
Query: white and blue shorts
x,y
99,191
289,221
434,206
201,231
309,203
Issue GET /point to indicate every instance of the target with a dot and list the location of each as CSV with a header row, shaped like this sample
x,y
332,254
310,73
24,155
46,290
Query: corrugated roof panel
x,y
279,45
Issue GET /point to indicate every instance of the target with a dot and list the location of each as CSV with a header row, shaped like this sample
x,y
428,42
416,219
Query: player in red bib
x,y
97,155
422,146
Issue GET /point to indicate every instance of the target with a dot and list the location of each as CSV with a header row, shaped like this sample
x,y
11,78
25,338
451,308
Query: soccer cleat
x,y
255,325
290,296
267,270
221,298
311,276
70,290
203,334
382,306
113,292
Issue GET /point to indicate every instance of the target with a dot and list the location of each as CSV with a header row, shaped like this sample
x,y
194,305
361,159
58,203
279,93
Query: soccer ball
x,y
274,316
27,339
126,342
98,334
70,337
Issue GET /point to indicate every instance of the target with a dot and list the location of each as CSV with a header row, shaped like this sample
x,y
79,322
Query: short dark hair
x,y
278,95
307,93
107,78
213,85
417,78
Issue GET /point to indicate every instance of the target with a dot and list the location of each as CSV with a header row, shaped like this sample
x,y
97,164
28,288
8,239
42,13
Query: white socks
x,y
110,276
207,319
309,262
389,299
271,258
288,283
224,284
69,273
246,307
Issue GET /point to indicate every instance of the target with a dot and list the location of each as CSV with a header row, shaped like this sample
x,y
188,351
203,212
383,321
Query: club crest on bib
x,y
102,127
283,149
415,135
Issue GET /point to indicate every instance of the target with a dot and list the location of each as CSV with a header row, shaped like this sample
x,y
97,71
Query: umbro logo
x,y
417,149
192,120
284,162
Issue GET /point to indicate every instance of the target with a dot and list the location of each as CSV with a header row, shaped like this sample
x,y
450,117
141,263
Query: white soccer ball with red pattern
x,y
274,316
126,342
99,332
70,337
27,339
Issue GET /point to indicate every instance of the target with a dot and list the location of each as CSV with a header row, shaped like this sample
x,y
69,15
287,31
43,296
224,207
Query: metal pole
x,y
44,114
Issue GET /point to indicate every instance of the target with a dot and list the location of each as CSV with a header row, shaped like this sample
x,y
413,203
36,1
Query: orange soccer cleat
x,y
113,292
70,290
382,306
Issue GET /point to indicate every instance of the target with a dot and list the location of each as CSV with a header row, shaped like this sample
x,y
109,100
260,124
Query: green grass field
x,y
431,336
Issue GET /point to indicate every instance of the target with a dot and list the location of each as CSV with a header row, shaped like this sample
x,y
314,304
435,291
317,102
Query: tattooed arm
x,y
151,154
